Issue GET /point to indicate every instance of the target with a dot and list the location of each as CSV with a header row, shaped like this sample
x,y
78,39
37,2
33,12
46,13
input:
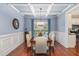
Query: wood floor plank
x,y
59,50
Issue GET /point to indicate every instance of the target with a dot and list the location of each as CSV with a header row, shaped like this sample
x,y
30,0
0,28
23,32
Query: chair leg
x,y
49,51
53,49
33,53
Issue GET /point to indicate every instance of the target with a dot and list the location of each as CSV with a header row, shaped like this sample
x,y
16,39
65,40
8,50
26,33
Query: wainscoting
x,y
66,41
9,42
61,38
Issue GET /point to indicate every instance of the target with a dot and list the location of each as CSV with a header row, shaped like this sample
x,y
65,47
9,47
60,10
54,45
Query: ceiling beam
x,y
76,6
49,9
21,4
69,6
32,9
13,7
56,13
26,12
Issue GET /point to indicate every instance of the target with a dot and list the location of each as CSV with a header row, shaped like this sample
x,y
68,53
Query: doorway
x,y
73,26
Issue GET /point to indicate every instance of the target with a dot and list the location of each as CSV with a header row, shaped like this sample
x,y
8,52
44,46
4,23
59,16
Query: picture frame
x,y
15,23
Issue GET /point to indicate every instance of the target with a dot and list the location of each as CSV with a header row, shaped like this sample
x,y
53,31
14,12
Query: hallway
x,y
59,50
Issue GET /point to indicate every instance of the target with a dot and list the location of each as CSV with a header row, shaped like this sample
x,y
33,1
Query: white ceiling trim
x,y
32,9
66,8
35,12
20,4
56,13
14,8
76,6
49,9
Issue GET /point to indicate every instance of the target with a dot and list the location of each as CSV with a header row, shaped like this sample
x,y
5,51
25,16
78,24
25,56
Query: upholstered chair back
x,y
52,37
41,45
28,38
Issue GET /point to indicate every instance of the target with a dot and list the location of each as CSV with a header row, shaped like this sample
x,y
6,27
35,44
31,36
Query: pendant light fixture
x,y
40,13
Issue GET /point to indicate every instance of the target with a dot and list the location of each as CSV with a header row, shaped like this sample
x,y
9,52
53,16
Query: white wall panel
x,y
9,42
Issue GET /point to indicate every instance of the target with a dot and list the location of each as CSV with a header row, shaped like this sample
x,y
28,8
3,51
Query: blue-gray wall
x,y
28,24
61,23
61,20
53,22
6,16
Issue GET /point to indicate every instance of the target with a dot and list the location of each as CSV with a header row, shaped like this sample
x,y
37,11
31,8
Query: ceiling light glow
x,y
32,9
14,8
49,9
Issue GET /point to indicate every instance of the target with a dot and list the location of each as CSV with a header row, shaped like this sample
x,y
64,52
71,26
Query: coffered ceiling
x,y
40,9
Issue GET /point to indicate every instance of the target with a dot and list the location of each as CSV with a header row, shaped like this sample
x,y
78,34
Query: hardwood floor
x,y
59,50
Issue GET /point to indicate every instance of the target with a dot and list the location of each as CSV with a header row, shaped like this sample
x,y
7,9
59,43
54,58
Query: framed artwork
x,y
40,28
